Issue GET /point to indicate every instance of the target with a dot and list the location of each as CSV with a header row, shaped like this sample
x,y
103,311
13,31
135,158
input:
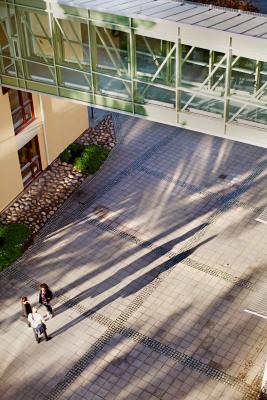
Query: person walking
x,y
26,309
38,325
45,296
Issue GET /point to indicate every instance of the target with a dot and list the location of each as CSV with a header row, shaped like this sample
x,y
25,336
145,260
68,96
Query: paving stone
x,y
151,274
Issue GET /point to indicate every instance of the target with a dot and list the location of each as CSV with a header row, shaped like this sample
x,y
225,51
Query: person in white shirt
x,y
37,324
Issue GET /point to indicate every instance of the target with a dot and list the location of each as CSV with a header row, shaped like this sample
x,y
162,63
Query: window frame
x,y
22,105
31,161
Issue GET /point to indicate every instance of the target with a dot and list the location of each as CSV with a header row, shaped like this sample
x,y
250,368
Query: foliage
x,y
73,151
91,159
244,5
87,158
12,239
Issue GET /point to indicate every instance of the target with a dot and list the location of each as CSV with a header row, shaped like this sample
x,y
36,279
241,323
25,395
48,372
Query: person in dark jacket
x,y
45,296
26,309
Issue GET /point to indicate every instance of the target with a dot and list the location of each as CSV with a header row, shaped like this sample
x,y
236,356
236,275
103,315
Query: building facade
x,y
34,130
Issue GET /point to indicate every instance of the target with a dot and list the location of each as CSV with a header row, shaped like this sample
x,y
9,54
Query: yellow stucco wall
x,y
40,131
63,121
58,123
10,175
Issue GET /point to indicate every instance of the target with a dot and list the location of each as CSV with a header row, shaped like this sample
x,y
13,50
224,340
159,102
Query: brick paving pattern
x,y
153,263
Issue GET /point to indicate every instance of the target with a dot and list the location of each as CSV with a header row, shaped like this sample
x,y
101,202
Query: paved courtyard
x,y
153,263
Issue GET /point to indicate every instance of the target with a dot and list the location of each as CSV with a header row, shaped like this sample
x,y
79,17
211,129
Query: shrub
x,y
73,151
91,159
12,239
66,156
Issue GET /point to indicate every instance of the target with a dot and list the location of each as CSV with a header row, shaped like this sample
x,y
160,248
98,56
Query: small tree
x,y
244,5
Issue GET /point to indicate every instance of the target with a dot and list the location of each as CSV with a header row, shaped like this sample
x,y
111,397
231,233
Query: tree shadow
x,y
133,287
133,371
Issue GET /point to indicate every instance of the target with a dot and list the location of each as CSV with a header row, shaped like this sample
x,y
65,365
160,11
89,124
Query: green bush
x,y
73,151
66,156
91,159
12,240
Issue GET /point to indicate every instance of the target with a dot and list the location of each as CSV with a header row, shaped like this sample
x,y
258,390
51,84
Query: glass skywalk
x,y
177,71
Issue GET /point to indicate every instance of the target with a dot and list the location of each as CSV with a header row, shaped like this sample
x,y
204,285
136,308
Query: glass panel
x,y
217,57
150,55
20,104
33,151
249,113
203,65
19,69
195,68
4,42
28,112
8,30
36,165
205,105
13,99
23,156
75,79
74,43
112,87
262,89
242,83
25,165
26,97
37,36
17,117
8,66
247,64
243,78
29,161
112,51
26,174
41,72
193,74
217,81
149,94
264,66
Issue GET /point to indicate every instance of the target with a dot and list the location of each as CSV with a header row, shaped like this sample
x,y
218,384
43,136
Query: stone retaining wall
x,y
34,206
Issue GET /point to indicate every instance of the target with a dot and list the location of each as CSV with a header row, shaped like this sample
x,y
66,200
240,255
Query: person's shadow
x,y
132,268
131,288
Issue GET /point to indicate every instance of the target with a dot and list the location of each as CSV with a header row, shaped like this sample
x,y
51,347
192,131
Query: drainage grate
x,y
263,217
117,229
258,304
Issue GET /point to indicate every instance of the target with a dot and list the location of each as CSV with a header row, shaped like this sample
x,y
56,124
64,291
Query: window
x,y
155,60
21,109
112,52
30,164
37,36
74,44
203,69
